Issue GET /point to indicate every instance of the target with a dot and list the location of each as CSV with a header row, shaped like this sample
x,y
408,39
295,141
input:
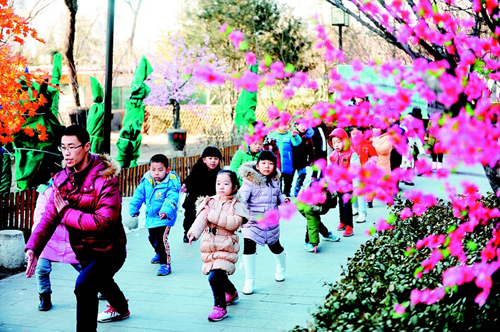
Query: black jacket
x,y
200,182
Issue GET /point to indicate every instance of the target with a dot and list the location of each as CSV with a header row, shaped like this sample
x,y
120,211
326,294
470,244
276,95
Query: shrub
x,y
381,275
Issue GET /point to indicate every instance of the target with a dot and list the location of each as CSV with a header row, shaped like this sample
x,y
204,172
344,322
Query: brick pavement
x,y
182,300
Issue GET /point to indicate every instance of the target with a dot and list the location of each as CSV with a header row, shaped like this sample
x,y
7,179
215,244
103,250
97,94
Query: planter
x,y
177,138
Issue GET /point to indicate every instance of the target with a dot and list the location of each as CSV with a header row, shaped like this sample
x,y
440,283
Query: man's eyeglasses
x,y
70,148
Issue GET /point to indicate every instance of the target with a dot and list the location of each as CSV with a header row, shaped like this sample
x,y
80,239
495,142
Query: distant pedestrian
x,y
415,133
315,226
320,145
250,153
159,191
218,218
58,249
344,156
303,154
362,145
431,141
285,140
87,201
261,192
199,183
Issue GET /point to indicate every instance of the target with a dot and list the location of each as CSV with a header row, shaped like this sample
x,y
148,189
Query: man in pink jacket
x,y
87,201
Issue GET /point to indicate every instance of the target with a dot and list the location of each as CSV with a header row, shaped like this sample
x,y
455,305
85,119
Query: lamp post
x,y
108,84
341,19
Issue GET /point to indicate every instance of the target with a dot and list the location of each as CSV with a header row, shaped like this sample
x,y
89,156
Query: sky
x,y
155,16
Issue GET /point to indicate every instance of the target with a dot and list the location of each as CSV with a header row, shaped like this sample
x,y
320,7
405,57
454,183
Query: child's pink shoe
x,y
231,298
217,314
341,227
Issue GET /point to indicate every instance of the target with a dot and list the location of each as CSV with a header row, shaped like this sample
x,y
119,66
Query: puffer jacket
x,y
162,198
345,158
241,157
285,142
259,195
216,221
93,216
58,248
303,154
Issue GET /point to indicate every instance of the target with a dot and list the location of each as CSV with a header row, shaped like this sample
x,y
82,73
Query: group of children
x,y
219,202
219,209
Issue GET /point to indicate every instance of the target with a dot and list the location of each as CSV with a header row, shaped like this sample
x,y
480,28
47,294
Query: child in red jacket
x,y
344,156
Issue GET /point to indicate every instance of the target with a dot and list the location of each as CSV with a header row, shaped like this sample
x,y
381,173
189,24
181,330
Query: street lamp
x,y
341,19
108,83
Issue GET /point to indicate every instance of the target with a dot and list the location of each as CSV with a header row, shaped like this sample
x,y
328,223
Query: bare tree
x,y
72,6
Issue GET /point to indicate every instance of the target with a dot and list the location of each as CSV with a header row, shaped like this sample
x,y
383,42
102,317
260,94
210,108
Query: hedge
x,y
380,275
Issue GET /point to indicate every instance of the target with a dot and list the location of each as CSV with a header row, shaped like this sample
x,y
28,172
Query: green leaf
x,y
268,60
391,218
471,245
243,46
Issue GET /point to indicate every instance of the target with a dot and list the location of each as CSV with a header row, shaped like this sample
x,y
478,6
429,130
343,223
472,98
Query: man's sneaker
x,y
217,314
155,259
309,247
185,239
231,298
370,205
354,211
361,218
341,227
164,270
111,315
332,238
348,231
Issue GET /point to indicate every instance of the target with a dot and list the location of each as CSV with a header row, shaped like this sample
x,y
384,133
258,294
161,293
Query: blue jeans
x,y
43,269
301,176
96,277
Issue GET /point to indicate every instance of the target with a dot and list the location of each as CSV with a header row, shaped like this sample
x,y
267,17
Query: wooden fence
x,y
16,209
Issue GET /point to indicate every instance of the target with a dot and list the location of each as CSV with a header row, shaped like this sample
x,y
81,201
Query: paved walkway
x,y
182,300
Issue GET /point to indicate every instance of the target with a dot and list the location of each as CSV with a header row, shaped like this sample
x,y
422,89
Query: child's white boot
x,y
280,266
249,263
434,165
439,165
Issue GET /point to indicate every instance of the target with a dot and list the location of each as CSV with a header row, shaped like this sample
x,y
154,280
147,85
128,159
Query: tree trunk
x,y
493,175
72,6
176,113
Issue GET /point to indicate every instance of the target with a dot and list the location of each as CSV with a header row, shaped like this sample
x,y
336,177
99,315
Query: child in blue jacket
x,y
159,190
285,140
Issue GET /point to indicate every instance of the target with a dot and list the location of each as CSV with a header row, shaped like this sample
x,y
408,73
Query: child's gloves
x,y
135,215
163,216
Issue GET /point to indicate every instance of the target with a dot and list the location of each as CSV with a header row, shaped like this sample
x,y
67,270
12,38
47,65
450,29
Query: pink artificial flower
x,y
208,74
277,69
273,112
236,38
288,93
250,58
405,213
383,225
269,219
223,28
399,309
287,210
